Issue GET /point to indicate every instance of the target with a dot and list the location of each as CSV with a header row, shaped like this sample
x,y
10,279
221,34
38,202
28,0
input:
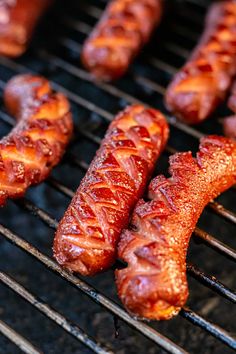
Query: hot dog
x,y
203,82
86,239
18,19
118,37
38,141
154,284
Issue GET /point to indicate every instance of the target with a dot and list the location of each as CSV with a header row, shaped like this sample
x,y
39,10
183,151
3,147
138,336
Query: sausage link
x,y
37,142
154,284
86,239
204,80
18,18
118,37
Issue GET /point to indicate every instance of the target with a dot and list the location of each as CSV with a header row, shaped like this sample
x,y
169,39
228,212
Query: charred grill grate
x,y
144,83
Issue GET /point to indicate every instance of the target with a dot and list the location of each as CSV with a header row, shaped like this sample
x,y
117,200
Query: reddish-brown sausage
x,y
118,37
154,283
204,80
18,19
86,239
38,141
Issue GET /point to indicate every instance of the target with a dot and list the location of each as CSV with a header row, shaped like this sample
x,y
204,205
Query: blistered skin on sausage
x,y
154,284
38,141
18,19
118,37
203,82
87,236
229,123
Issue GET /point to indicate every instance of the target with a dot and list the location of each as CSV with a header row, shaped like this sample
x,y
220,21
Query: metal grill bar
x,y
92,293
218,287
18,340
216,331
224,336
56,317
212,283
51,222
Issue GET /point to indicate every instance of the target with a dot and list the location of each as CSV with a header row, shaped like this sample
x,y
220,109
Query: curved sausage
x,y
18,19
203,82
154,284
118,37
38,141
86,239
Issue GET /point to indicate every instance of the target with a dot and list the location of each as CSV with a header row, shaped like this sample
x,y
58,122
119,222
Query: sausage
x,y
154,284
18,19
203,82
38,141
118,37
86,239
229,123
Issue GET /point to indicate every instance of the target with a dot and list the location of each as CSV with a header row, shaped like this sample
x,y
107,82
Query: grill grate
x,y
138,80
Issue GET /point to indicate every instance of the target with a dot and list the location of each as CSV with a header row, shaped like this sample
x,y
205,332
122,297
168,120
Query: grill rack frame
x,y
209,281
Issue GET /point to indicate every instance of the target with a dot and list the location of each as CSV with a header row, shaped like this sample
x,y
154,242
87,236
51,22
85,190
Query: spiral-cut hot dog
x,y
18,19
123,29
229,123
86,239
154,283
204,80
38,141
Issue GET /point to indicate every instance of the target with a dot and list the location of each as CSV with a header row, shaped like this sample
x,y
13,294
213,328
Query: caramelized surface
x,y
18,19
203,82
154,284
38,141
123,29
86,239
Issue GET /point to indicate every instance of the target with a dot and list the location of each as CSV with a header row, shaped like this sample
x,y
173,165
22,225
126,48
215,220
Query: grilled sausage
x,y
18,19
204,80
86,239
154,283
38,141
118,37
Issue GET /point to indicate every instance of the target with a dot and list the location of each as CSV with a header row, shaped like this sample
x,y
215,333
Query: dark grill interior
x,y
73,317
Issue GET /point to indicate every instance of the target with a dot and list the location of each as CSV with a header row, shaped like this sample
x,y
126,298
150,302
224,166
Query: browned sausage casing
x,y
204,80
154,283
86,239
38,141
18,19
123,29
